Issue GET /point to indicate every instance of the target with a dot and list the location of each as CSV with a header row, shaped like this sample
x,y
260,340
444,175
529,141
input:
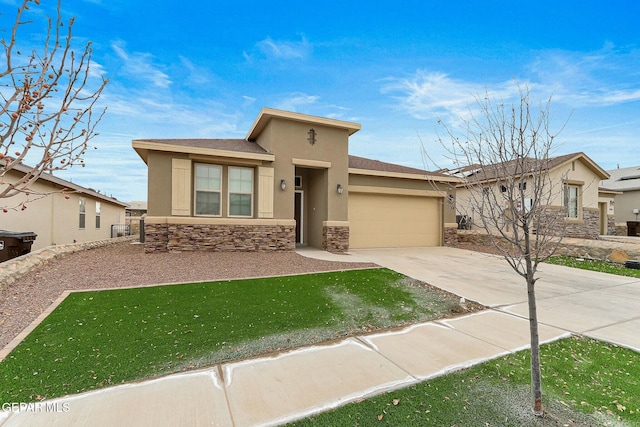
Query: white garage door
x,y
385,220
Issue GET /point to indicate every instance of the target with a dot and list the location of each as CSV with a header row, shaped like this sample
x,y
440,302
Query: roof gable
x,y
512,168
266,114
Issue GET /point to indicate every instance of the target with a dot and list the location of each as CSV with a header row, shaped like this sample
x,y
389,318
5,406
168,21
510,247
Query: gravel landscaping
x,y
126,265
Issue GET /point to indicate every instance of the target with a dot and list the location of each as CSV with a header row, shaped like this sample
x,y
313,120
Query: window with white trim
x,y
208,189
240,191
571,201
82,212
98,208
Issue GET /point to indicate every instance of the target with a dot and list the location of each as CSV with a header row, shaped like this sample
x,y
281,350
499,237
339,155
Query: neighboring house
x,y
79,215
574,180
136,209
289,182
135,212
626,182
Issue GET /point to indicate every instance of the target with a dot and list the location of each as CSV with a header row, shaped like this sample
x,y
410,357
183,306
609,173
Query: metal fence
x,y
120,230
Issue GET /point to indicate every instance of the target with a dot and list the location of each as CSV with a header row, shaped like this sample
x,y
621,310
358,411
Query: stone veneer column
x,y
450,236
155,238
335,238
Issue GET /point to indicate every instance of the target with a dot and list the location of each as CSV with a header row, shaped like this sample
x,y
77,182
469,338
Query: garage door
x,y
385,220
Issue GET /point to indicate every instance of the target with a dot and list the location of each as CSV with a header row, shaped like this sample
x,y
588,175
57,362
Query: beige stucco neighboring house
x,y
574,181
290,182
79,215
626,182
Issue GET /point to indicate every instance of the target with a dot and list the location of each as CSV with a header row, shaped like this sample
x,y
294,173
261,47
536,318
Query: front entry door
x,y
298,215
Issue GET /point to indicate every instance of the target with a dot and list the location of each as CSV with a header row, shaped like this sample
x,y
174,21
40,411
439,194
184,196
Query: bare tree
x,y
503,154
47,105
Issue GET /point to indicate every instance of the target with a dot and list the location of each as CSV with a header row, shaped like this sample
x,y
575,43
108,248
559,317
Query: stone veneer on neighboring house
x,y
335,239
586,228
218,238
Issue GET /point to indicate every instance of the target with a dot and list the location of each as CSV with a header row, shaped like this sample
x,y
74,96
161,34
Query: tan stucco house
x,y
574,183
626,184
78,215
290,182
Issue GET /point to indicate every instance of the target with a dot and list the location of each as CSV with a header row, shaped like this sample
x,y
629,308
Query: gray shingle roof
x,y
623,179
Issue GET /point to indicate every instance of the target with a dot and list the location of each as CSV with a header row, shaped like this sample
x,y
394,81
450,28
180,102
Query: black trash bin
x,y
15,243
633,228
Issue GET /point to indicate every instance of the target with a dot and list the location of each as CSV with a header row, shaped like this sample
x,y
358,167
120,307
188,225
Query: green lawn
x,y
594,265
585,383
96,339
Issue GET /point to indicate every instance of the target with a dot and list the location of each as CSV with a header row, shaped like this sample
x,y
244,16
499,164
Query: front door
x,y
299,216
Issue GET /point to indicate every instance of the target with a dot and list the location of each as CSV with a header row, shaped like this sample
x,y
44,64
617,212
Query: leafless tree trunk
x,y
504,157
47,105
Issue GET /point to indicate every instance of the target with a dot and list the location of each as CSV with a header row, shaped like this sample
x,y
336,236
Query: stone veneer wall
x,y
450,236
611,225
587,228
219,238
335,239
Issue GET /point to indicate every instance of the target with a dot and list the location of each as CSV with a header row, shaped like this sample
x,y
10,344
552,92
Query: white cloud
x,y
606,77
140,66
296,101
429,95
273,49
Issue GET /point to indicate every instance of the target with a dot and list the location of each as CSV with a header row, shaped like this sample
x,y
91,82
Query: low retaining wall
x,y
14,268
607,250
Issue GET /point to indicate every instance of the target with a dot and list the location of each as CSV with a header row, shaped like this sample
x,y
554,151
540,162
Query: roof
x,y
625,179
497,171
266,114
22,168
212,147
137,205
376,167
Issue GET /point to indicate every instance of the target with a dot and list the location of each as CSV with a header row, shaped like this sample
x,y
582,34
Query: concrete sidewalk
x,y
296,384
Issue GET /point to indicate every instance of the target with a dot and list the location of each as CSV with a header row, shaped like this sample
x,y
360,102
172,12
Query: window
x,y
208,189
82,210
571,193
240,191
98,215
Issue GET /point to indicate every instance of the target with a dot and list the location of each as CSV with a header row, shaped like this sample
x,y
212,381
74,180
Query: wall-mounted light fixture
x,y
312,136
340,189
283,184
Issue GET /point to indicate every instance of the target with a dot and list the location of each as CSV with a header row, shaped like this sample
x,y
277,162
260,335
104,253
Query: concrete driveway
x,y
600,305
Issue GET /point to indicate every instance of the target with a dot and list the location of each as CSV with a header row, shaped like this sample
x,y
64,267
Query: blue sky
x,y
204,69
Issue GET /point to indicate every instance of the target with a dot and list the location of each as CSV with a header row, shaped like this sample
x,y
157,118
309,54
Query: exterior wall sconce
x,y
340,189
312,136
283,184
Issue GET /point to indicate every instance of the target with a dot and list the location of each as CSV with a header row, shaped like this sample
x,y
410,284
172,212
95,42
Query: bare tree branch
x,y
46,105
503,153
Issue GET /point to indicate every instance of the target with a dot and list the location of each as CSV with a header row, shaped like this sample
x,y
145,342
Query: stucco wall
x,y
55,218
288,141
625,204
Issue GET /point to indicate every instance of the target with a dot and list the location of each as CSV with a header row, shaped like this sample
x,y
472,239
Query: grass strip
x,y
594,265
96,339
585,383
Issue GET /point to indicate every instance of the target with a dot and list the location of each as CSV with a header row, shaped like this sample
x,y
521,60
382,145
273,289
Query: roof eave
x,y
422,177
143,147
